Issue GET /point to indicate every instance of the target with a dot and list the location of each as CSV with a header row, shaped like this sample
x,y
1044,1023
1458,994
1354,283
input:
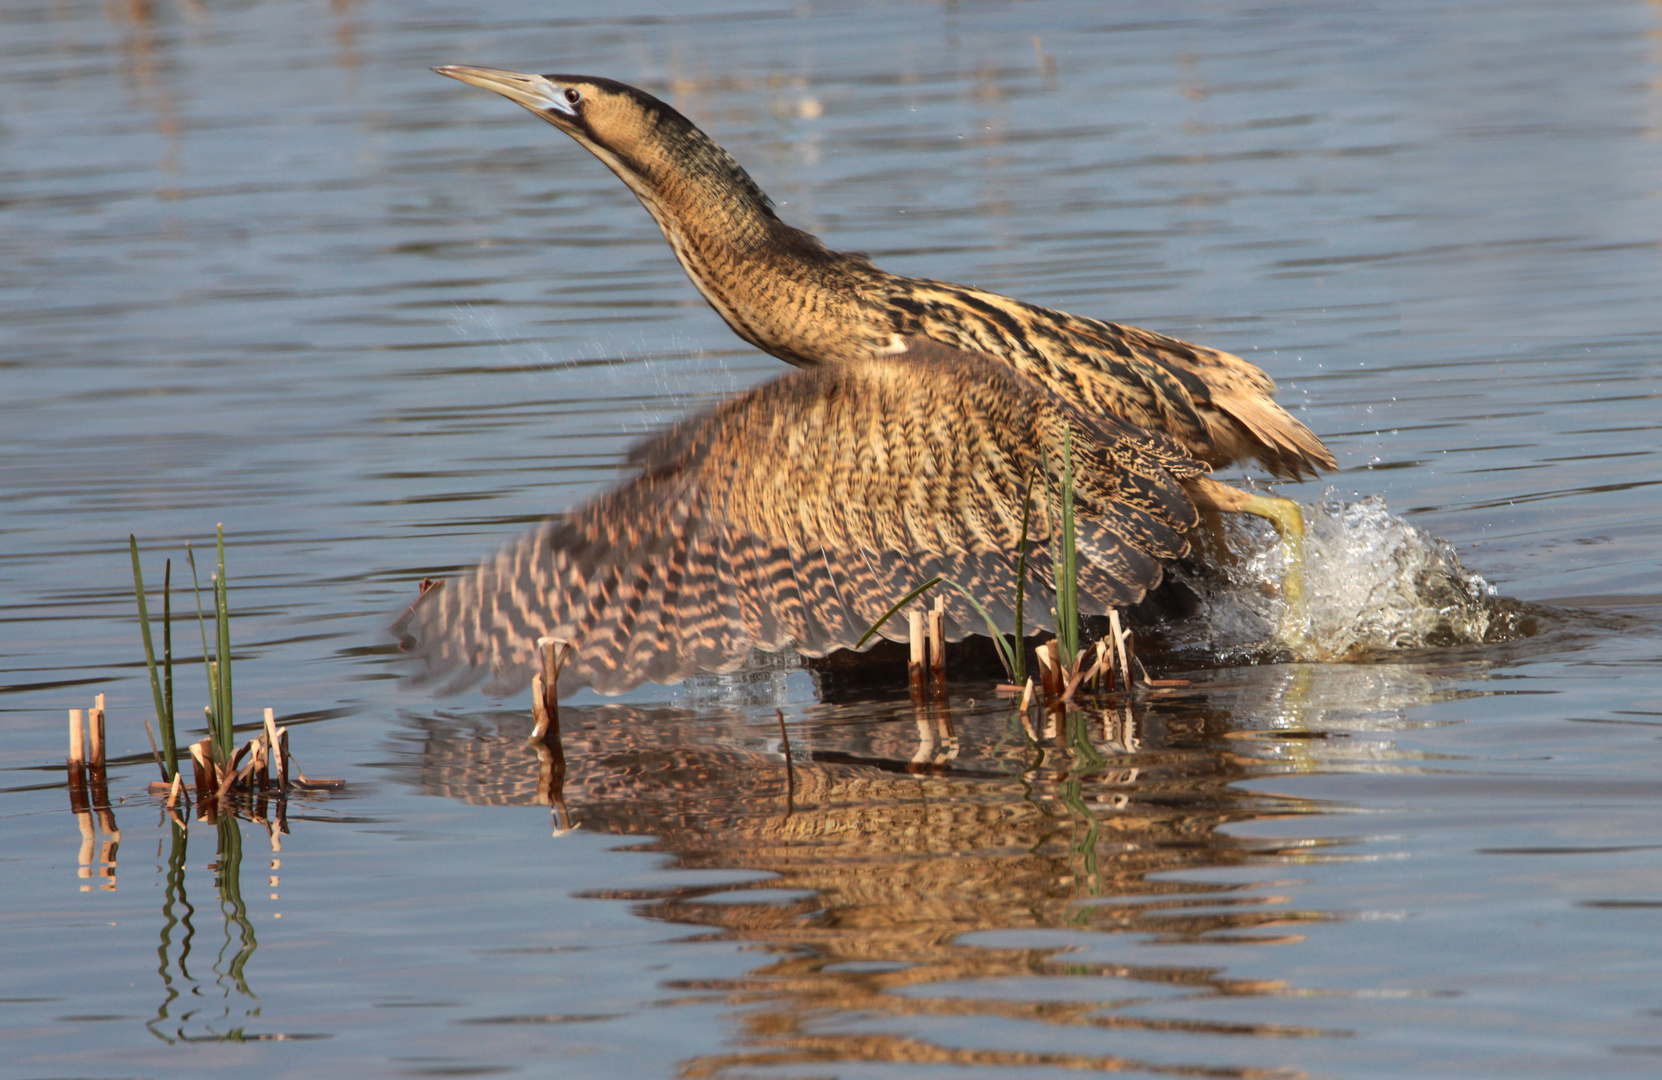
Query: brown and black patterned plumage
x,y
783,291
796,513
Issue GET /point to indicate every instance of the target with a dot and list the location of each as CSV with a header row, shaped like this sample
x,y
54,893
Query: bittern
x,y
796,513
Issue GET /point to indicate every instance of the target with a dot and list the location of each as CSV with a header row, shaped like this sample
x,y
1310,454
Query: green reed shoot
x,y
898,604
218,662
222,621
1067,567
163,696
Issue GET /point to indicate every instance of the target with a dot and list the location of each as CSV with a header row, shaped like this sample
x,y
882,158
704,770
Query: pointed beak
x,y
532,91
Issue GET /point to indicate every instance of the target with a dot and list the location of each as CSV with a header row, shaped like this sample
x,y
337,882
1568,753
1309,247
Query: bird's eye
x,y
573,96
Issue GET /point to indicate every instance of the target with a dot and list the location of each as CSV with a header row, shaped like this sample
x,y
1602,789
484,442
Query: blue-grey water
x,y
259,266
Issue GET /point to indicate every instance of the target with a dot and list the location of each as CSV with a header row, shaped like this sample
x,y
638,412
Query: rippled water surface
x,y
258,266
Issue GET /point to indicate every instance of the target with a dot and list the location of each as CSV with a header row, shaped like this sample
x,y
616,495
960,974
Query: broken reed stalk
x,y
98,780
89,792
790,774
234,772
217,765
1122,648
95,732
545,688
1063,666
937,644
263,781
545,732
1025,714
261,767
202,768
77,739
917,667
77,763
279,747
284,762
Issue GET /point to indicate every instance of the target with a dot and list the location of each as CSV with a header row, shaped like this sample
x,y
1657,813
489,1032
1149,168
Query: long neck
x,y
776,286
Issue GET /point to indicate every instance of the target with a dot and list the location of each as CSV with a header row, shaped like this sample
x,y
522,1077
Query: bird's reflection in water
x,y
918,846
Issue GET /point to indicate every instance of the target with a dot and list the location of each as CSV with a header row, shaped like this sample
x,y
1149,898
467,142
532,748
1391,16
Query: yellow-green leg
x,y
1288,520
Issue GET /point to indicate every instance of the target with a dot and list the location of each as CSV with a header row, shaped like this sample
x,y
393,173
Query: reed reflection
x,y
89,799
194,1009
190,1011
909,835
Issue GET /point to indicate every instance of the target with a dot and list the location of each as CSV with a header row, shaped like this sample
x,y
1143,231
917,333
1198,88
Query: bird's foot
x,y
1288,520
1293,633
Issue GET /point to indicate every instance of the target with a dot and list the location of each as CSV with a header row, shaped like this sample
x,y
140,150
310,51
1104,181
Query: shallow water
x,y
261,267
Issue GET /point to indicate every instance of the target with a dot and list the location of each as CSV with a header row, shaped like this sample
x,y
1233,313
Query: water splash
x,y
1375,583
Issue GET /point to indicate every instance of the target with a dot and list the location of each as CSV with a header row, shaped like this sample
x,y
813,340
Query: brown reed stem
x,y
937,644
77,738
266,750
545,687
1050,674
790,773
276,749
203,768
95,731
917,666
76,763
1122,646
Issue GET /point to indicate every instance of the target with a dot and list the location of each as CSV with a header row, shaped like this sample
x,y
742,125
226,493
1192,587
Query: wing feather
x,y
795,514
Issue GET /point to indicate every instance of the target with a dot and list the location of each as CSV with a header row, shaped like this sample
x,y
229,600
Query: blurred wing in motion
x,y
796,514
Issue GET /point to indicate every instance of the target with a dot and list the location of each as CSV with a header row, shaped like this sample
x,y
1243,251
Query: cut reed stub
x,y
278,749
77,738
201,759
917,666
280,740
231,775
539,708
75,765
790,772
1123,646
937,643
95,732
1050,673
552,654
1026,716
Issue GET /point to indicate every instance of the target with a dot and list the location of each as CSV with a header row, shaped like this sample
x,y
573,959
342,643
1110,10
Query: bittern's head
x,y
651,146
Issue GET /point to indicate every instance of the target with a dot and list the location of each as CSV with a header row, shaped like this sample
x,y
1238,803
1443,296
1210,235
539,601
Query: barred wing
x,y
795,514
